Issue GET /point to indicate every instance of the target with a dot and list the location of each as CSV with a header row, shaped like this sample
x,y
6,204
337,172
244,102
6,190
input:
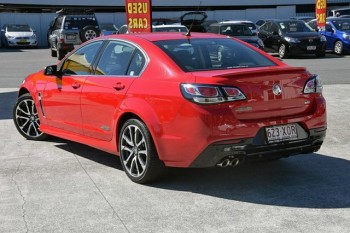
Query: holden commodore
x,y
161,100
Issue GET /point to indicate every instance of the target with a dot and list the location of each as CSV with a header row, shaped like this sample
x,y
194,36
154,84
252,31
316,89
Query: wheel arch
x,y
142,111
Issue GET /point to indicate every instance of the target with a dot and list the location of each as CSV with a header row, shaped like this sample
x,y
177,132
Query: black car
x,y
291,37
238,30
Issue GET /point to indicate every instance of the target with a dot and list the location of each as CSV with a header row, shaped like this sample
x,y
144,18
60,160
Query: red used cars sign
x,y
321,6
139,15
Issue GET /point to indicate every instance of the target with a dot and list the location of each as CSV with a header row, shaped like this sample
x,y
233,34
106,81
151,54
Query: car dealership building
x,y
39,13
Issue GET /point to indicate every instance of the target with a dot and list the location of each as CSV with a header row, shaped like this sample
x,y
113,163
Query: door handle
x,y
119,86
76,85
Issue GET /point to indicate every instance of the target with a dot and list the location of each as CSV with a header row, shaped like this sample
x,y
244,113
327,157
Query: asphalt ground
x,y
62,186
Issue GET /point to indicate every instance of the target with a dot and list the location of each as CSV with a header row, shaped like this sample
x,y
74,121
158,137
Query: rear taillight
x,y
313,85
210,94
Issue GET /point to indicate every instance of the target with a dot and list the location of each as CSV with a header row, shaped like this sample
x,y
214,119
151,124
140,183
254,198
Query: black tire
x,y
53,52
320,54
338,47
26,119
138,154
88,33
61,54
282,51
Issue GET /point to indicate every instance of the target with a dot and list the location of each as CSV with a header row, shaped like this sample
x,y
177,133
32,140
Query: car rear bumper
x,y
257,149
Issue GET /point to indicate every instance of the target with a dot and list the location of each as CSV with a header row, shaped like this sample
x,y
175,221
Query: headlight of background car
x,y
8,36
346,36
323,38
291,39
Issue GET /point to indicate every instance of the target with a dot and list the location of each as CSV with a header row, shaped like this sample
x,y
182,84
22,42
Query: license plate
x,y
313,47
22,41
281,133
71,37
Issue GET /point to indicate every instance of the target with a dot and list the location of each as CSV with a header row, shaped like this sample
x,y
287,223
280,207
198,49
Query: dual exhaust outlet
x,y
232,162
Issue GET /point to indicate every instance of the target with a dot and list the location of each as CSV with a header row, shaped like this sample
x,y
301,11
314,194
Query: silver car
x,y
13,35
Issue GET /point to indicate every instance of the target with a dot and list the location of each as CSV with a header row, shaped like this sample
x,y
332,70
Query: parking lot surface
x,y
62,186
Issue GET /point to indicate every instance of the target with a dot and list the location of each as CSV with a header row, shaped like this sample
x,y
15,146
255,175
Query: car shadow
x,y
87,152
7,101
302,181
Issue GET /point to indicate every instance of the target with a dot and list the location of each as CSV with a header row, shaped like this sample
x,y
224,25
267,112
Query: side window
x,y
137,63
79,63
58,23
115,59
328,27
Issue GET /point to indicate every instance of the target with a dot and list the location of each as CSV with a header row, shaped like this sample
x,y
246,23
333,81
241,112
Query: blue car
x,y
337,33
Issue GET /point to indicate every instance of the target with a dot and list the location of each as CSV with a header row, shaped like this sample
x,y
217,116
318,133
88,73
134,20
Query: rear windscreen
x,y
79,22
212,54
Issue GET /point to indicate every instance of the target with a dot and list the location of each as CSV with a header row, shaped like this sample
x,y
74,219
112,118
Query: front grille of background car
x,y
307,41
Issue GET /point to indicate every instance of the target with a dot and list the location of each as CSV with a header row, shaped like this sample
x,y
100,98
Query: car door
x,y
120,64
265,34
330,34
61,99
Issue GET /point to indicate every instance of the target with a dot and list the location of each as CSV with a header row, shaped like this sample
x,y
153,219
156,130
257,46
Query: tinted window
x,y
79,22
79,63
116,59
212,54
342,25
236,30
294,26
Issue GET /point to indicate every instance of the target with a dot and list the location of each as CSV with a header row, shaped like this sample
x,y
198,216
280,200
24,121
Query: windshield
x,y
236,30
294,26
341,25
212,54
19,28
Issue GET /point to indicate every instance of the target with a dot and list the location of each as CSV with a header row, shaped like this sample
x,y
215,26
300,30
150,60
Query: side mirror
x,y
51,70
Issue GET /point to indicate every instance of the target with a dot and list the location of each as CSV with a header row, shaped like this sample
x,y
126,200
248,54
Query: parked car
x,y
337,33
262,21
72,27
238,30
339,12
169,28
15,35
292,37
164,100
108,29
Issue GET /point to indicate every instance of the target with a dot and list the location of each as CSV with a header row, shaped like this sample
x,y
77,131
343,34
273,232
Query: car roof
x,y
154,36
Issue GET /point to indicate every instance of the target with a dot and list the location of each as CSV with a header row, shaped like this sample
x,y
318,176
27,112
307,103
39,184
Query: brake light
x,y
210,94
313,85
61,38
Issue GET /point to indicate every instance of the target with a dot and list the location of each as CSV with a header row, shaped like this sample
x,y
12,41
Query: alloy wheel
x,y
26,118
338,47
134,151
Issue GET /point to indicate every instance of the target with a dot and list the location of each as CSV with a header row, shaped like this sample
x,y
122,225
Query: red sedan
x,y
172,100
